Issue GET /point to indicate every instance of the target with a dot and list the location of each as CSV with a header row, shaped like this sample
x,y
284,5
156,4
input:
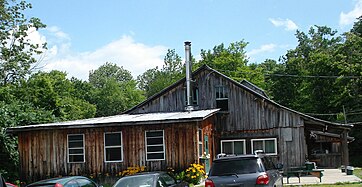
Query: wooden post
x,y
345,156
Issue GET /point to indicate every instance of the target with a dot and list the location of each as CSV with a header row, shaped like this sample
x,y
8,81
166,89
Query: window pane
x,y
76,158
154,148
243,166
195,96
270,146
155,156
227,148
154,141
85,183
113,139
75,151
238,147
168,179
223,104
75,137
154,134
76,144
257,145
155,145
200,135
72,183
113,154
200,150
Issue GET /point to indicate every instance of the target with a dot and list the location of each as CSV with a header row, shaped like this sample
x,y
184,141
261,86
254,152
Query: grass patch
x,y
358,172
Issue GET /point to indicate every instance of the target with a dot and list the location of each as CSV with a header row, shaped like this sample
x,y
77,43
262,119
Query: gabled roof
x,y
123,120
253,89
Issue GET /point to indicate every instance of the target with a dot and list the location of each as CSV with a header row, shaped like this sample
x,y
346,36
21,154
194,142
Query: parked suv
x,y
244,170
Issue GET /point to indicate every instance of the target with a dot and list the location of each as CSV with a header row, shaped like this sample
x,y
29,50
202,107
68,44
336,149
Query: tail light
x,y
58,185
209,183
262,179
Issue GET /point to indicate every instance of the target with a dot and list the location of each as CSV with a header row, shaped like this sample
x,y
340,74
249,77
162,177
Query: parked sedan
x,y
150,179
70,181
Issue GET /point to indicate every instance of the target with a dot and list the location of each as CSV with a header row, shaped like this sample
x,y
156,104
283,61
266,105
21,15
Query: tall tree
x,y
16,50
154,80
16,61
54,92
307,81
114,91
231,60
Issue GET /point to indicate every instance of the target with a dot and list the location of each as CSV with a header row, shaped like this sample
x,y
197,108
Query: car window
x,y
72,183
85,183
168,179
161,183
268,163
135,181
235,166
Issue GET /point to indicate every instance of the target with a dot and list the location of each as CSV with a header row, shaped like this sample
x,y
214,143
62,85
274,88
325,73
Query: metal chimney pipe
x,y
189,106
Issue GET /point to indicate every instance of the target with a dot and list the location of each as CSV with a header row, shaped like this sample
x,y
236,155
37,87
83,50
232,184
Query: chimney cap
x,y
187,43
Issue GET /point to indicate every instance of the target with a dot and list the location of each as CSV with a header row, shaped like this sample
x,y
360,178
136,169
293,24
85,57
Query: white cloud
x,y
288,24
267,48
350,17
34,36
125,52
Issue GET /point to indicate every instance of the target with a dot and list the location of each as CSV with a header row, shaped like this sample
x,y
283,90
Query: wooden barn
x,y
193,120
248,120
110,145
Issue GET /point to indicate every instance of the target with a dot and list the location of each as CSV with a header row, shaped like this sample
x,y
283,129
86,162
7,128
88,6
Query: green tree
x,y
16,50
357,27
16,62
231,61
306,82
98,78
154,80
53,92
15,112
114,90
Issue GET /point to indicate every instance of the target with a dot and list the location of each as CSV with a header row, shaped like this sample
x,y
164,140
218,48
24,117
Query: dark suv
x,y
244,170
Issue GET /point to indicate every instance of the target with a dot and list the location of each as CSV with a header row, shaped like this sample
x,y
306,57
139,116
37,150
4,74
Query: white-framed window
x,y
200,142
222,98
113,149
155,145
268,145
233,147
76,148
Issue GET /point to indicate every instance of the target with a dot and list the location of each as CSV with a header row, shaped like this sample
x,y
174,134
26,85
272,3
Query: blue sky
x,y
135,34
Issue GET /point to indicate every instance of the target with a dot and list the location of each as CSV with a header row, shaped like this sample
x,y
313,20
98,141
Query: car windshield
x,y
135,181
234,167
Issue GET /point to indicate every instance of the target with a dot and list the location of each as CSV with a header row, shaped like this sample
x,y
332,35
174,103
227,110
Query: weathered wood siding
x,y
249,115
44,153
